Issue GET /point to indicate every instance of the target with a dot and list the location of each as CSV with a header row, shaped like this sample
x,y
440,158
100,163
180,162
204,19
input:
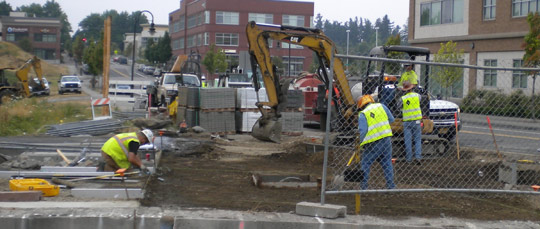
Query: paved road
x,y
512,135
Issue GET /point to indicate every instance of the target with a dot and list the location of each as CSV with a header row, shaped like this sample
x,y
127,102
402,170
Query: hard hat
x,y
149,135
203,77
364,100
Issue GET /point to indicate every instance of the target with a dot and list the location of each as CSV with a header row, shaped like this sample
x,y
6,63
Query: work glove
x,y
145,171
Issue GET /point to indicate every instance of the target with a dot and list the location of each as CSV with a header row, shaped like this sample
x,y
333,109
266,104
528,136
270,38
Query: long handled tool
x,y
71,184
457,135
63,156
493,135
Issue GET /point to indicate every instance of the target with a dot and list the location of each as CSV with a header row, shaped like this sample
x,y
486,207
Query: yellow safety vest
x,y
377,121
118,148
203,84
411,107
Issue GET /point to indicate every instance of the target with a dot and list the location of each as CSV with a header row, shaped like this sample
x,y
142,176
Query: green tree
x,y
78,49
93,56
446,77
531,58
25,45
215,60
164,50
5,8
391,67
150,51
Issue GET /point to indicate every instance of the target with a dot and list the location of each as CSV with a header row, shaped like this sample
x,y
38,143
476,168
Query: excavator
x,y
7,91
268,127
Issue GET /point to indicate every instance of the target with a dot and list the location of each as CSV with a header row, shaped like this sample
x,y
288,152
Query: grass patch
x,y
29,116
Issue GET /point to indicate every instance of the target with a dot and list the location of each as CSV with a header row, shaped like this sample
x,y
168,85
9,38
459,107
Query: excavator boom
x,y
267,126
22,75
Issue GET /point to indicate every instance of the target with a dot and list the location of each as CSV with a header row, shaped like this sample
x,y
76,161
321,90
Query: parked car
x,y
149,70
157,72
46,91
121,87
69,84
141,67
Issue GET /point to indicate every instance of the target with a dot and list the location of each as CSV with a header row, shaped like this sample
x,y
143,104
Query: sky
x,y
332,10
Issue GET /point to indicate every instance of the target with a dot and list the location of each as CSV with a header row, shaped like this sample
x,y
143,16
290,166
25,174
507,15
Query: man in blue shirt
x,y
375,137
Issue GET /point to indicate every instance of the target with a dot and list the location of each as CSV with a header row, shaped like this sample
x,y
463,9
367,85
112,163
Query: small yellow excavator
x,y
22,88
267,127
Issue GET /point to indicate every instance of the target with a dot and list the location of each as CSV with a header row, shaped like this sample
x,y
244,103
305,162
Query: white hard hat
x,y
149,135
203,77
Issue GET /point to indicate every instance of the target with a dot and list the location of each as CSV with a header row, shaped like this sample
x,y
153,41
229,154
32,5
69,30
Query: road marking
x,y
500,135
120,73
508,130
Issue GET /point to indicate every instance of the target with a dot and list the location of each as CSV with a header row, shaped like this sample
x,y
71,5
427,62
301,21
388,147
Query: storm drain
x,y
285,181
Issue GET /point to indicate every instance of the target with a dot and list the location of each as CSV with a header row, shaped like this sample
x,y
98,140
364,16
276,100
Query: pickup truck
x,y
167,85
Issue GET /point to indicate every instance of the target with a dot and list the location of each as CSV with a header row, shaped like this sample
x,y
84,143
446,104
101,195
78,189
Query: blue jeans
x,y
381,151
412,132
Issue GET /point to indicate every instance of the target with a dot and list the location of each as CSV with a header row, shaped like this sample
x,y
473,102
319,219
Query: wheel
x,y
6,96
450,135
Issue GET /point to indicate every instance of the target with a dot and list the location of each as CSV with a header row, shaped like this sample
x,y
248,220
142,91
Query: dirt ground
x,y
217,174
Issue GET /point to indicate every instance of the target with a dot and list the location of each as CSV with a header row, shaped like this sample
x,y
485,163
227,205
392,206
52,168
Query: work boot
x,y
417,162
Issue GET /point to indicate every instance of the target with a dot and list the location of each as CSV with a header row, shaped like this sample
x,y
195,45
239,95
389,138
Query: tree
x,y
391,67
5,8
215,60
150,51
25,44
164,50
78,49
446,77
531,58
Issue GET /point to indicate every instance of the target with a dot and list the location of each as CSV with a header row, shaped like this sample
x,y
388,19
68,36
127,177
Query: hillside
x,y
11,56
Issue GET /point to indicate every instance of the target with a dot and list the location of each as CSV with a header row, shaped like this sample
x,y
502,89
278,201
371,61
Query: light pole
x,y
376,36
152,31
348,31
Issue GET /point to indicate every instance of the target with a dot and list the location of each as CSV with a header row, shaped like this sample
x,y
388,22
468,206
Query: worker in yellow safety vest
x,y
374,126
412,119
120,151
203,81
408,75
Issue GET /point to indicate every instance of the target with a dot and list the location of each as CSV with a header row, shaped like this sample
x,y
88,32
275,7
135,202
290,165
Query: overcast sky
x,y
333,10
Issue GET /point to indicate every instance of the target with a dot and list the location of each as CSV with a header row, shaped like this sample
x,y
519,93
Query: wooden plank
x,y
20,196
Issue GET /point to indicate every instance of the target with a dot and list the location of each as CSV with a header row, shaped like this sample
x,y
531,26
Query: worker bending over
x,y
412,118
120,151
374,126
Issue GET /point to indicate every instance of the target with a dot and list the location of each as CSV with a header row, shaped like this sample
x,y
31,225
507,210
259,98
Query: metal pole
x,y
328,120
348,31
289,59
376,36
133,53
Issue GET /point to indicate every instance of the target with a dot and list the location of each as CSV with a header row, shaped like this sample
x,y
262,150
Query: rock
x,y
198,129
151,123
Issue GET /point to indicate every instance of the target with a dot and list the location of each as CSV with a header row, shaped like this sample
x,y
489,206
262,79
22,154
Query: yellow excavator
x,y
22,88
267,127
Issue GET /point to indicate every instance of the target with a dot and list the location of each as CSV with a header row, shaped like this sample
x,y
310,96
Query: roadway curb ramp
x,y
329,211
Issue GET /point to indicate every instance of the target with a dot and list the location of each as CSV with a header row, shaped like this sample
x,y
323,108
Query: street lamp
x,y
376,36
348,31
152,30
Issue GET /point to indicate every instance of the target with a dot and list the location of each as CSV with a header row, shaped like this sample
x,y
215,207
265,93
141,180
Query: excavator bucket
x,y
266,129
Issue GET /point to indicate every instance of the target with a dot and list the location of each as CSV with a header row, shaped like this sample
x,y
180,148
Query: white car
x,y
69,84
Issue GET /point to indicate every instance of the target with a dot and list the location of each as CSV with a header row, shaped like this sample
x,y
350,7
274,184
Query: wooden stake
x,y
457,136
357,198
494,140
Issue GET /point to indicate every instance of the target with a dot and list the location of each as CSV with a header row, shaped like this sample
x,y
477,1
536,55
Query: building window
x,y
192,41
227,39
519,78
10,37
45,37
490,76
296,65
196,20
261,18
45,54
489,9
227,18
441,12
285,45
178,44
206,17
293,20
199,39
181,23
206,38
521,8
181,43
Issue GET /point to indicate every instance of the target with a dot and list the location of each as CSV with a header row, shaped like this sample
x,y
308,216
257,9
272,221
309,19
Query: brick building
x,y
199,23
491,33
43,34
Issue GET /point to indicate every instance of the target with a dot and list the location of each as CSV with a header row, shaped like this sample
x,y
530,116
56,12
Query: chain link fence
x,y
481,140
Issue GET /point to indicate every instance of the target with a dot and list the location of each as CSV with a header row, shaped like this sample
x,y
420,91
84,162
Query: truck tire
x,y
6,96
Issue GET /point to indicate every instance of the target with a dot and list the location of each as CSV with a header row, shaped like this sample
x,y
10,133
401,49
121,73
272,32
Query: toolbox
x,y
34,184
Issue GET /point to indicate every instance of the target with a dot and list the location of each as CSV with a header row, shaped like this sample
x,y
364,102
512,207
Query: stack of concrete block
x,y
222,122
191,116
292,123
247,97
216,110
188,97
217,98
295,99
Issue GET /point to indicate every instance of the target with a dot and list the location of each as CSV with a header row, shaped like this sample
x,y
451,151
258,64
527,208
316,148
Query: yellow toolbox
x,y
34,184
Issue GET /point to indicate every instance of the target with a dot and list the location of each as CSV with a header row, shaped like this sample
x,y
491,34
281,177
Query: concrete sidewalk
x,y
128,214
500,121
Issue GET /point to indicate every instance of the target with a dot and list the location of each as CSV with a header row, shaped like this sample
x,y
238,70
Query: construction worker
x,y
374,126
120,151
408,75
412,118
203,81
